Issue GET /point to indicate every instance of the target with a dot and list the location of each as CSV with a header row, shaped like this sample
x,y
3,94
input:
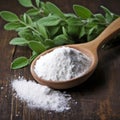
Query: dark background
x,y
98,98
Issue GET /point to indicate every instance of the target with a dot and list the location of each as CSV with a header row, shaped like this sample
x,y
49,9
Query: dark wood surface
x,y
98,98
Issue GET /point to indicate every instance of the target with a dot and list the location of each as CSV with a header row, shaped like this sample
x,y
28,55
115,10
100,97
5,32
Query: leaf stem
x,y
28,26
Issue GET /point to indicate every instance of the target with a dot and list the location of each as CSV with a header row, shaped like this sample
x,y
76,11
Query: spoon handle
x,y
108,33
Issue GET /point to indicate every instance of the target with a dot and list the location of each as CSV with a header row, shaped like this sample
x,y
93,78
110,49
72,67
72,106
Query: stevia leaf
x,y
54,9
12,26
29,35
91,37
53,30
49,21
26,3
64,31
22,28
101,28
26,34
44,8
108,14
37,46
82,32
19,62
69,15
92,30
72,30
9,16
37,3
42,30
82,11
27,19
33,12
61,40
49,43
34,55
100,17
18,41
74,21
91,23
37,37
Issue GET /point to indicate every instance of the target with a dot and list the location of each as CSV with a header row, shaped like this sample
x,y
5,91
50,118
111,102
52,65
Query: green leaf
x,y
74,21
49,21
100,17
22,28
82,11
69,15
34,55
26,3
54,9
61,40
64,31
91,22
37,37
19,63
37,46
92,30
26,34
53,30
42,30
33,12
44,8
72,30
29,35
49,43
37,3
108,14
19,41
91,37
12,26
27,19
9,16
82,32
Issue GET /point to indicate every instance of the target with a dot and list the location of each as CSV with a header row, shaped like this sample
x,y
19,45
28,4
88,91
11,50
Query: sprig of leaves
x,y
44,26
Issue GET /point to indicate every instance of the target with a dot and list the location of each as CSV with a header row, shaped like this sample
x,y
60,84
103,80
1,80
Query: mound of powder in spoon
x,y
63,63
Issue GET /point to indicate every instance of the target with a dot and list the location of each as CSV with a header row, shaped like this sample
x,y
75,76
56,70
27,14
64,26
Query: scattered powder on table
x,y
2,88
39,96
62,64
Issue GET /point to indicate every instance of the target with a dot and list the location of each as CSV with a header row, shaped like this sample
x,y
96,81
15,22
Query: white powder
x,y
62,64
39,96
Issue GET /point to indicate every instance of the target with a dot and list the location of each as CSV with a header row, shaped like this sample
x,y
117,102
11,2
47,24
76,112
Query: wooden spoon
x,y
90,49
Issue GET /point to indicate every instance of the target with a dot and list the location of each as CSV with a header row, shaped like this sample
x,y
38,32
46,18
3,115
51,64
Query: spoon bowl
x,y
90,49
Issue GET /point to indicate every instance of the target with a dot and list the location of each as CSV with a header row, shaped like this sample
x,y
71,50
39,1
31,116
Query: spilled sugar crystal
x,y
39,96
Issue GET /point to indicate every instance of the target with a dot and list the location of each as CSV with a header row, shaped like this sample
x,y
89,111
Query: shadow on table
x,y
93,83
98,79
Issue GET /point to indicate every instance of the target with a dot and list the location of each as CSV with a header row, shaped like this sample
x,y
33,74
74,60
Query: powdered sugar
x,y
39,96
61,64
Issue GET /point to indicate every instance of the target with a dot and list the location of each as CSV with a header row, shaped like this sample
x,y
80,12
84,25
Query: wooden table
x,y
98,98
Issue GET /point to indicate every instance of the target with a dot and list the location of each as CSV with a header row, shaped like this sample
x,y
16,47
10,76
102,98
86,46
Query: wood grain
x,y
98,98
